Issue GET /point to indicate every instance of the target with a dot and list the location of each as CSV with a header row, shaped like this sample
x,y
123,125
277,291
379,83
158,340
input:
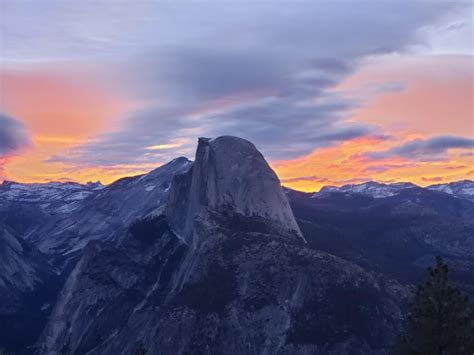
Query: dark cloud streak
x,y
13,135
429,148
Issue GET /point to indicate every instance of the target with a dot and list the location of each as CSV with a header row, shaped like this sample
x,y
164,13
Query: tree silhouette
x,y
441,320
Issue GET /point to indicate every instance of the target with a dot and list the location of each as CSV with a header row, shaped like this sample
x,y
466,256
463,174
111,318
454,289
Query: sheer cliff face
x,y
229,176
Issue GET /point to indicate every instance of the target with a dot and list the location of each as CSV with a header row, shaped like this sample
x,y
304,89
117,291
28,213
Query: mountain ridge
x,y
449,187
235,281
205,254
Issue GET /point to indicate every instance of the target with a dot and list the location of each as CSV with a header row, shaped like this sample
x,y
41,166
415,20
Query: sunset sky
x,y
331,92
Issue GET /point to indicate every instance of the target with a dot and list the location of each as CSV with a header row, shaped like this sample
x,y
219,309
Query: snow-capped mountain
x,y
53,197
61,218
371,188
464,188
460,189
108,211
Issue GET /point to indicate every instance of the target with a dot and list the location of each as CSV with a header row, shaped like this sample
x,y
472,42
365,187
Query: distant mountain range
x,y
214,256
66,193
460,189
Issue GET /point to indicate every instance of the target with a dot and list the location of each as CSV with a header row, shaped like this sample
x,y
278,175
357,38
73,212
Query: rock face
x,y
42,225
229,176
224,270
111,210
27,290
243,292
100,212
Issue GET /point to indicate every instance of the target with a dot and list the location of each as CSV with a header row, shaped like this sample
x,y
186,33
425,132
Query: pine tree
x,y
441,320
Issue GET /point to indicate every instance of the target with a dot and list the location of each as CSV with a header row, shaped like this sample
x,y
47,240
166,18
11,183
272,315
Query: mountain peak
x,y
229,175
462,188
370,188
175,166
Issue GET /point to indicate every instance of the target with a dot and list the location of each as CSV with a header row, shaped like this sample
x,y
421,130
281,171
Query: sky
x,y
331,92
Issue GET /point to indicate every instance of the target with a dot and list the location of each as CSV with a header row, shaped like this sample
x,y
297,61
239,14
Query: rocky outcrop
x,y
229,175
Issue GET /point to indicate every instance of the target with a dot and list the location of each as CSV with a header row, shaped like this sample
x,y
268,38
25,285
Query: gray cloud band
x,y
265,73
430,148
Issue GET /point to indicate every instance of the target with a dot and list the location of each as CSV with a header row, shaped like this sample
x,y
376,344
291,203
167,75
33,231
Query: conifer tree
x,y
441,319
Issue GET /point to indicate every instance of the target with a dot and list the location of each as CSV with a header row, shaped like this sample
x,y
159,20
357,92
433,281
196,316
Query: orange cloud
x,y
437,99
348,163
61,107
58,103
33,166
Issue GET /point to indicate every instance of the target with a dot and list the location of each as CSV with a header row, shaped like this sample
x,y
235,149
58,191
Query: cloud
x,y
312,178
57,30
428,148
263,122
13,135
323,180
457,167
456,26
266,72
